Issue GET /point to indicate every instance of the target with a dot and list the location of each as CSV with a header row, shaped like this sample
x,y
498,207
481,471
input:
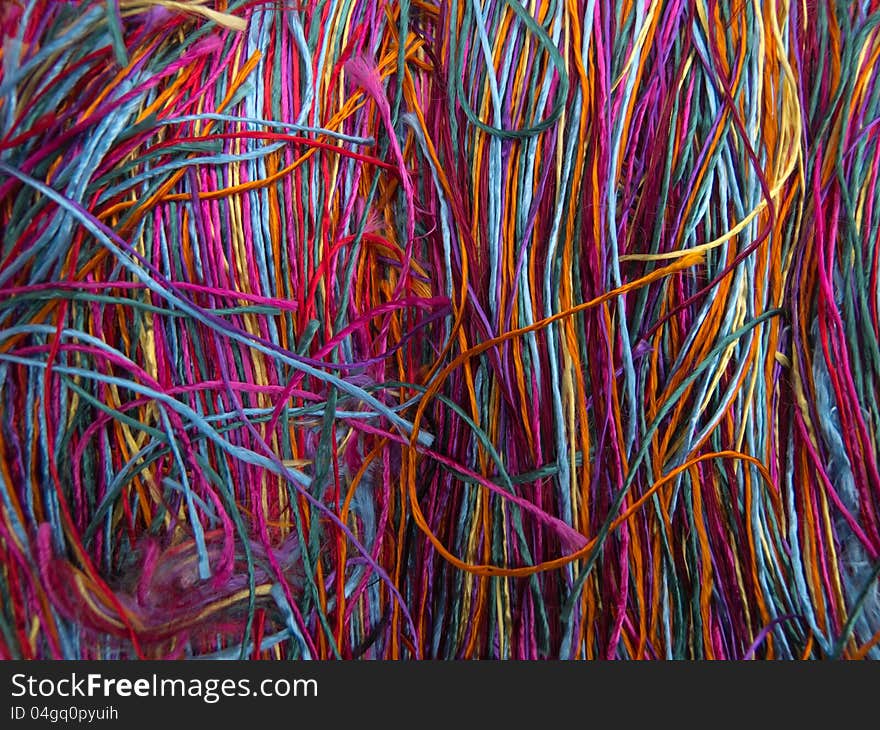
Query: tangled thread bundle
x,y
369,329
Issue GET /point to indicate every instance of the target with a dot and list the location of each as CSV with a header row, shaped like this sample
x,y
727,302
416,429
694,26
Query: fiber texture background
x,y
481,329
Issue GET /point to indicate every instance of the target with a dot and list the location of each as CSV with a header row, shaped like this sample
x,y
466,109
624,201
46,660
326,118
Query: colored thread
x,y
371,329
